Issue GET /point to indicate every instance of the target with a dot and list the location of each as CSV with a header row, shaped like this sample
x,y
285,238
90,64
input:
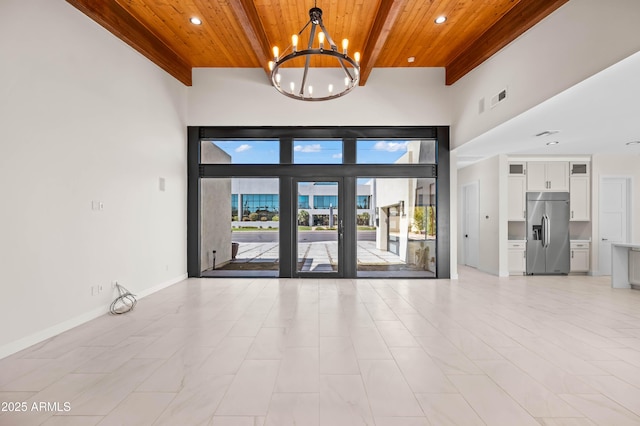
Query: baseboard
x,y
158,287
25,342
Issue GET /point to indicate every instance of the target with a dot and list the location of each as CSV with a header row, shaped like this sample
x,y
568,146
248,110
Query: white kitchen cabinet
x,y
580,198
517,257
517,198
547,176
579,256
634,268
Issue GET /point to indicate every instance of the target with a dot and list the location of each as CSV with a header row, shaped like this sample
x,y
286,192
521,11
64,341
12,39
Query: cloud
x,y
308,148
243,147
390,146
336,156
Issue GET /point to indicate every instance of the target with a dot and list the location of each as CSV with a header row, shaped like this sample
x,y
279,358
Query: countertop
x,y
626,245
520,240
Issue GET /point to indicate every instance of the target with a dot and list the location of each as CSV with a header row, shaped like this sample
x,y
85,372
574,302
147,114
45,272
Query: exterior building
x,y
260,197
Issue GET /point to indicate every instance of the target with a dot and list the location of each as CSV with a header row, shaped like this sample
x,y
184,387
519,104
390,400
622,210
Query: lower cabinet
x,y
517,257
579,257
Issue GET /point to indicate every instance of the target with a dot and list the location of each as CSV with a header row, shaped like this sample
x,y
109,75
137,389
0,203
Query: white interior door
x,y
471,224
614,218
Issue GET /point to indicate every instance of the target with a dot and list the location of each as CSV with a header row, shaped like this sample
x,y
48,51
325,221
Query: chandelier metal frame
x,y
304,93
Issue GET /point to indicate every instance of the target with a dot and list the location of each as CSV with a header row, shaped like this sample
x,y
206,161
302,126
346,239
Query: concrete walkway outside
x,y
316,256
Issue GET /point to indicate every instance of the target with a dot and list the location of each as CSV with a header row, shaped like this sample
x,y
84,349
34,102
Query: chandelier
x,y
315,74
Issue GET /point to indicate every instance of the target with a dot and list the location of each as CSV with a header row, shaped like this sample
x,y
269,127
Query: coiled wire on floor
x,y
124,303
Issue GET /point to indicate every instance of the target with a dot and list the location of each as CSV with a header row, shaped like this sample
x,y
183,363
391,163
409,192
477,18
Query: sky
x,y
313,152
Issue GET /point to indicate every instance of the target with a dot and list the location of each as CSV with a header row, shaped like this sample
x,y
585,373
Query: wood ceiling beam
x,y
247,14
514,23
388,12
123,25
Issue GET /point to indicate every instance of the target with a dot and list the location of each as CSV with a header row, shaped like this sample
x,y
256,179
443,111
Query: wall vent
x,y
501,96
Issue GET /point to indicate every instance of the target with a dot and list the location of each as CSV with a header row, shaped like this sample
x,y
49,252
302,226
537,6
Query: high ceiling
x,y
240,33
597,115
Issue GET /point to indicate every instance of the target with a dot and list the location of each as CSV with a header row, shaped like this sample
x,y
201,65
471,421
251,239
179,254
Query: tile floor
x,y
478,351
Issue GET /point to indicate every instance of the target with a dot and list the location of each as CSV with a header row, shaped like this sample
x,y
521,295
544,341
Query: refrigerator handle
x,y
547,228
543,237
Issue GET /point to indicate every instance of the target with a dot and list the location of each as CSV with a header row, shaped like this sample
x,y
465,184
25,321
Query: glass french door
x,y
319,230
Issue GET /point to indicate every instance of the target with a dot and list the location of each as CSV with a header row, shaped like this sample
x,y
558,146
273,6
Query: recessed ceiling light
x,y
195,21
411,59
440,19
553,143
633,143
547,133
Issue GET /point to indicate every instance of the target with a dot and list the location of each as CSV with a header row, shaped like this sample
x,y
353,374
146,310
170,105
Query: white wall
x,y
391,97
608,165
577,41
490,175
83,117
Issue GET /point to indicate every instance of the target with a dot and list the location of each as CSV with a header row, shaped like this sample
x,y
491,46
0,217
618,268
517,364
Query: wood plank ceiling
x,y
240,33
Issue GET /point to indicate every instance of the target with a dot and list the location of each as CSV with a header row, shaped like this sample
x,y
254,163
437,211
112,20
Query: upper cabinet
x,y
517,169
547,176
580,168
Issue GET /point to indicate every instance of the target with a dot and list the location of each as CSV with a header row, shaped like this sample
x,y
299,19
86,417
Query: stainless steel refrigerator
x,y
548,233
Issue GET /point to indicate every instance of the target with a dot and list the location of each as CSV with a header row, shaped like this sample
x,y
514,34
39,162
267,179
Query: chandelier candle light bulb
x,y
321,39
345,44
276,51
294,42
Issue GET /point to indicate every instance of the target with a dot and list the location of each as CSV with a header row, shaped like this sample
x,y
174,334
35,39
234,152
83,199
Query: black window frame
x,y
286,171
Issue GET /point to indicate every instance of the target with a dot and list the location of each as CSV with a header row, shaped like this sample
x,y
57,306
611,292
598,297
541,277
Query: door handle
x,y
466,235
605,239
